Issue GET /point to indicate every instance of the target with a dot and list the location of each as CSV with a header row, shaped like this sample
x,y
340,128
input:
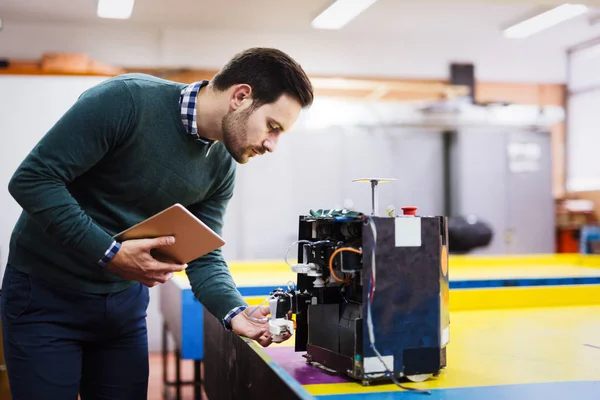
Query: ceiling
x,y
383,17
423,21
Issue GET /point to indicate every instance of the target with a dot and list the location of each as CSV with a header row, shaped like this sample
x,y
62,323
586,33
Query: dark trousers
x,y
59,343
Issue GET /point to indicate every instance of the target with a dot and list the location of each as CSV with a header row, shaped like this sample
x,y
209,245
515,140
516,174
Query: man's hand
x,y
248,323
134,262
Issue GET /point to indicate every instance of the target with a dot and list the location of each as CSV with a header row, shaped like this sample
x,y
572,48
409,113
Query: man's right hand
x,y
134,262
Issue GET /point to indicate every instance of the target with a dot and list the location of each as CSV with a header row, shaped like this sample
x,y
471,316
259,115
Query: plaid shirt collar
x,y
187,101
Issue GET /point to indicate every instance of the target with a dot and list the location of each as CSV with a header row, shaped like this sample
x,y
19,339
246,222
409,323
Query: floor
x,y
155,386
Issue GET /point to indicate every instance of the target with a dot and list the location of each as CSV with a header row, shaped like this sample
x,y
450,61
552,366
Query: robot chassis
x,y
372,293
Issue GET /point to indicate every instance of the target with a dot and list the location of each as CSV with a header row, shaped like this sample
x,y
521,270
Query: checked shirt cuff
x,y
230,315
110,253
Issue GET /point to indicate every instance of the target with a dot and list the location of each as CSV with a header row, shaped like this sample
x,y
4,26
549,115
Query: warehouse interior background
x,y
470,121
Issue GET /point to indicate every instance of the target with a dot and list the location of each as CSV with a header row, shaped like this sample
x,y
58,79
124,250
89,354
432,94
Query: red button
x,y
409,210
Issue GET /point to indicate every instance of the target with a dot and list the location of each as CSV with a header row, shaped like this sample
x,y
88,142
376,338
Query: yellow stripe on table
x,y
511,297
278,273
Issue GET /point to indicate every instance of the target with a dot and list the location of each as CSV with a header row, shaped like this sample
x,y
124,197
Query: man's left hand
x,y
253,323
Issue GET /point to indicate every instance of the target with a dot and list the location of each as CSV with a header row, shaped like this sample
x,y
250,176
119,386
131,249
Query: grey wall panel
x,y
265,193
413,158
314,169
479,181
233,223
367,153
517,204
418,165
530,204
318,167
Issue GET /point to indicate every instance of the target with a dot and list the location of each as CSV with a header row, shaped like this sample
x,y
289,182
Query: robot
x,y
372,294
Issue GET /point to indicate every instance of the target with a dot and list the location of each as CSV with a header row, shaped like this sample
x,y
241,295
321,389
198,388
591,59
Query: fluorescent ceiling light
x,y
117,9
340,13
545,20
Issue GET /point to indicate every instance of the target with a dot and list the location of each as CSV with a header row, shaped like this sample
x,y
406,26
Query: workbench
x,y
521,328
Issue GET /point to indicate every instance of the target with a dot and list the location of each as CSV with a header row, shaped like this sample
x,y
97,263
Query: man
x,y
74,300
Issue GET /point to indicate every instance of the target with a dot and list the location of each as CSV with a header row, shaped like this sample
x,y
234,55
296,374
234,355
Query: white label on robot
x,y
373,364
445,336
408,232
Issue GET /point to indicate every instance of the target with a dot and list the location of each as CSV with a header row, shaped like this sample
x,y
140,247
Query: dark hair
x,y
270,72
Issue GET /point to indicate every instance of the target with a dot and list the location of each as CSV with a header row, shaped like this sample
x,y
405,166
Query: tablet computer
x,y
193,238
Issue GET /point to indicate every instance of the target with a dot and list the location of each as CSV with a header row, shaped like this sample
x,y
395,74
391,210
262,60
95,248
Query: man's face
x,y
248,132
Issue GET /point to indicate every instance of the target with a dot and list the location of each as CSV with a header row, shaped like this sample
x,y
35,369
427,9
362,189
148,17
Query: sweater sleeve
x,y
98,121
209,275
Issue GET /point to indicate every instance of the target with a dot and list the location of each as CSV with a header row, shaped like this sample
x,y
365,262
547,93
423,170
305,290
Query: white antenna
x,y
374,186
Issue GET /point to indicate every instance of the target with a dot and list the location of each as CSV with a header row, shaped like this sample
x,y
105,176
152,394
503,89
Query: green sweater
x,y
118,156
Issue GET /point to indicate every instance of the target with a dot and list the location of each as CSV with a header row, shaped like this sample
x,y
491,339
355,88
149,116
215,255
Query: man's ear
x,y
240,96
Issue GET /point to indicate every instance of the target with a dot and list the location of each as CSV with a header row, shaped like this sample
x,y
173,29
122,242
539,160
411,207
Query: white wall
x,y
583,122
496,59
29,106
122,46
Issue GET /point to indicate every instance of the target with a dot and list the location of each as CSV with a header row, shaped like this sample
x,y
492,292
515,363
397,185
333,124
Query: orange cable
x,y
353,250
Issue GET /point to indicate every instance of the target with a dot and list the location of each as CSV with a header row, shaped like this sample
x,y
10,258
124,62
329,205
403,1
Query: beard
x,y
235,137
